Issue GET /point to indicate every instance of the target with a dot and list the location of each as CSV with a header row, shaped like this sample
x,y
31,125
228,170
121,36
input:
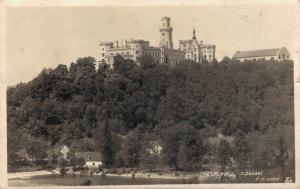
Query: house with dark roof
x,y
265,54
92,159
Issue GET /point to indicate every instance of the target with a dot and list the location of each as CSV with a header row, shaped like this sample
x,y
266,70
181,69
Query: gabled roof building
x,y
265,54
92,159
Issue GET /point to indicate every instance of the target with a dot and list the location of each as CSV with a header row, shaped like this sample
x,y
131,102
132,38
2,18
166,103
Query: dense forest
x,y
122,111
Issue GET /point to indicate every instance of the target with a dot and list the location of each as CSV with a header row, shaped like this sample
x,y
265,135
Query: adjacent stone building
x,y
265,54
164,54
197,51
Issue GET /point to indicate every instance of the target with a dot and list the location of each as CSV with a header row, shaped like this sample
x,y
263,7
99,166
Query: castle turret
x,y
104,50
194,34
116,44
166,33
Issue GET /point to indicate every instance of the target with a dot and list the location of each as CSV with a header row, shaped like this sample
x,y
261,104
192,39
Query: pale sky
x,y
39,37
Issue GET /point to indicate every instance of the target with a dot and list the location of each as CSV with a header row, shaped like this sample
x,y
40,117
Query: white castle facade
x,y
164,54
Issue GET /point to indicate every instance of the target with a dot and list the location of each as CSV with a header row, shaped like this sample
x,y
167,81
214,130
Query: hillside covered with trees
x,y
122,111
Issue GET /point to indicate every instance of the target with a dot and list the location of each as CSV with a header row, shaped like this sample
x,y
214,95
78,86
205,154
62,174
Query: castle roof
x,y
208,45
174,50
137,41
256,53
165,18
152,48
106,43
185,41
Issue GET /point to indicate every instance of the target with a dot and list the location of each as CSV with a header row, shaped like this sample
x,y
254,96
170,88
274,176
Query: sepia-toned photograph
x,y
151,95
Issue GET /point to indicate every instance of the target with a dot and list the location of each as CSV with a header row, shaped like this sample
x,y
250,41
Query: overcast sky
x,y
40,37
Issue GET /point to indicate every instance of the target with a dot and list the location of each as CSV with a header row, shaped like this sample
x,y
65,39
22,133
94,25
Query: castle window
x,y
111,53
163,34
209,56
137,52
245,60
102,54
283,56
102,49
127,52
279,57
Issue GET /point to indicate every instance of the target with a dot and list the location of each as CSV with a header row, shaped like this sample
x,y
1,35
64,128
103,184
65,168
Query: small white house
x,y
155,148
64,151
92,159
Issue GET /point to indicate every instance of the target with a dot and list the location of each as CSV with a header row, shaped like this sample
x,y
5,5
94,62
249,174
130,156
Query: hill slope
x,y
124,109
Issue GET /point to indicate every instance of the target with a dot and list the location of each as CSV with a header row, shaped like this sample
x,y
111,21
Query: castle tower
x,y
166,33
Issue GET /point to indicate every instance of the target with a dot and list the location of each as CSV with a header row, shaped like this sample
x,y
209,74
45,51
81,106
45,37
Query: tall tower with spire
x,y
166,33
194,33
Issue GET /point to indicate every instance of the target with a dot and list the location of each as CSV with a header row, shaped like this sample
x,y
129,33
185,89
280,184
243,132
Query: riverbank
x,y
53,177
19,175
31,174
153,175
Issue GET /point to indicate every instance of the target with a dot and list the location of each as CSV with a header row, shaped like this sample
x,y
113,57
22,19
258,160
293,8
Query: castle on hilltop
x,y
164,54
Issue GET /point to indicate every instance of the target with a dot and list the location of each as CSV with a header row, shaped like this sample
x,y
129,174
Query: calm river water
x,y
71,180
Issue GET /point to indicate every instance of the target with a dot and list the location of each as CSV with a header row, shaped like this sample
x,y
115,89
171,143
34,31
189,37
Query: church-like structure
x,y
164,54
197,51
